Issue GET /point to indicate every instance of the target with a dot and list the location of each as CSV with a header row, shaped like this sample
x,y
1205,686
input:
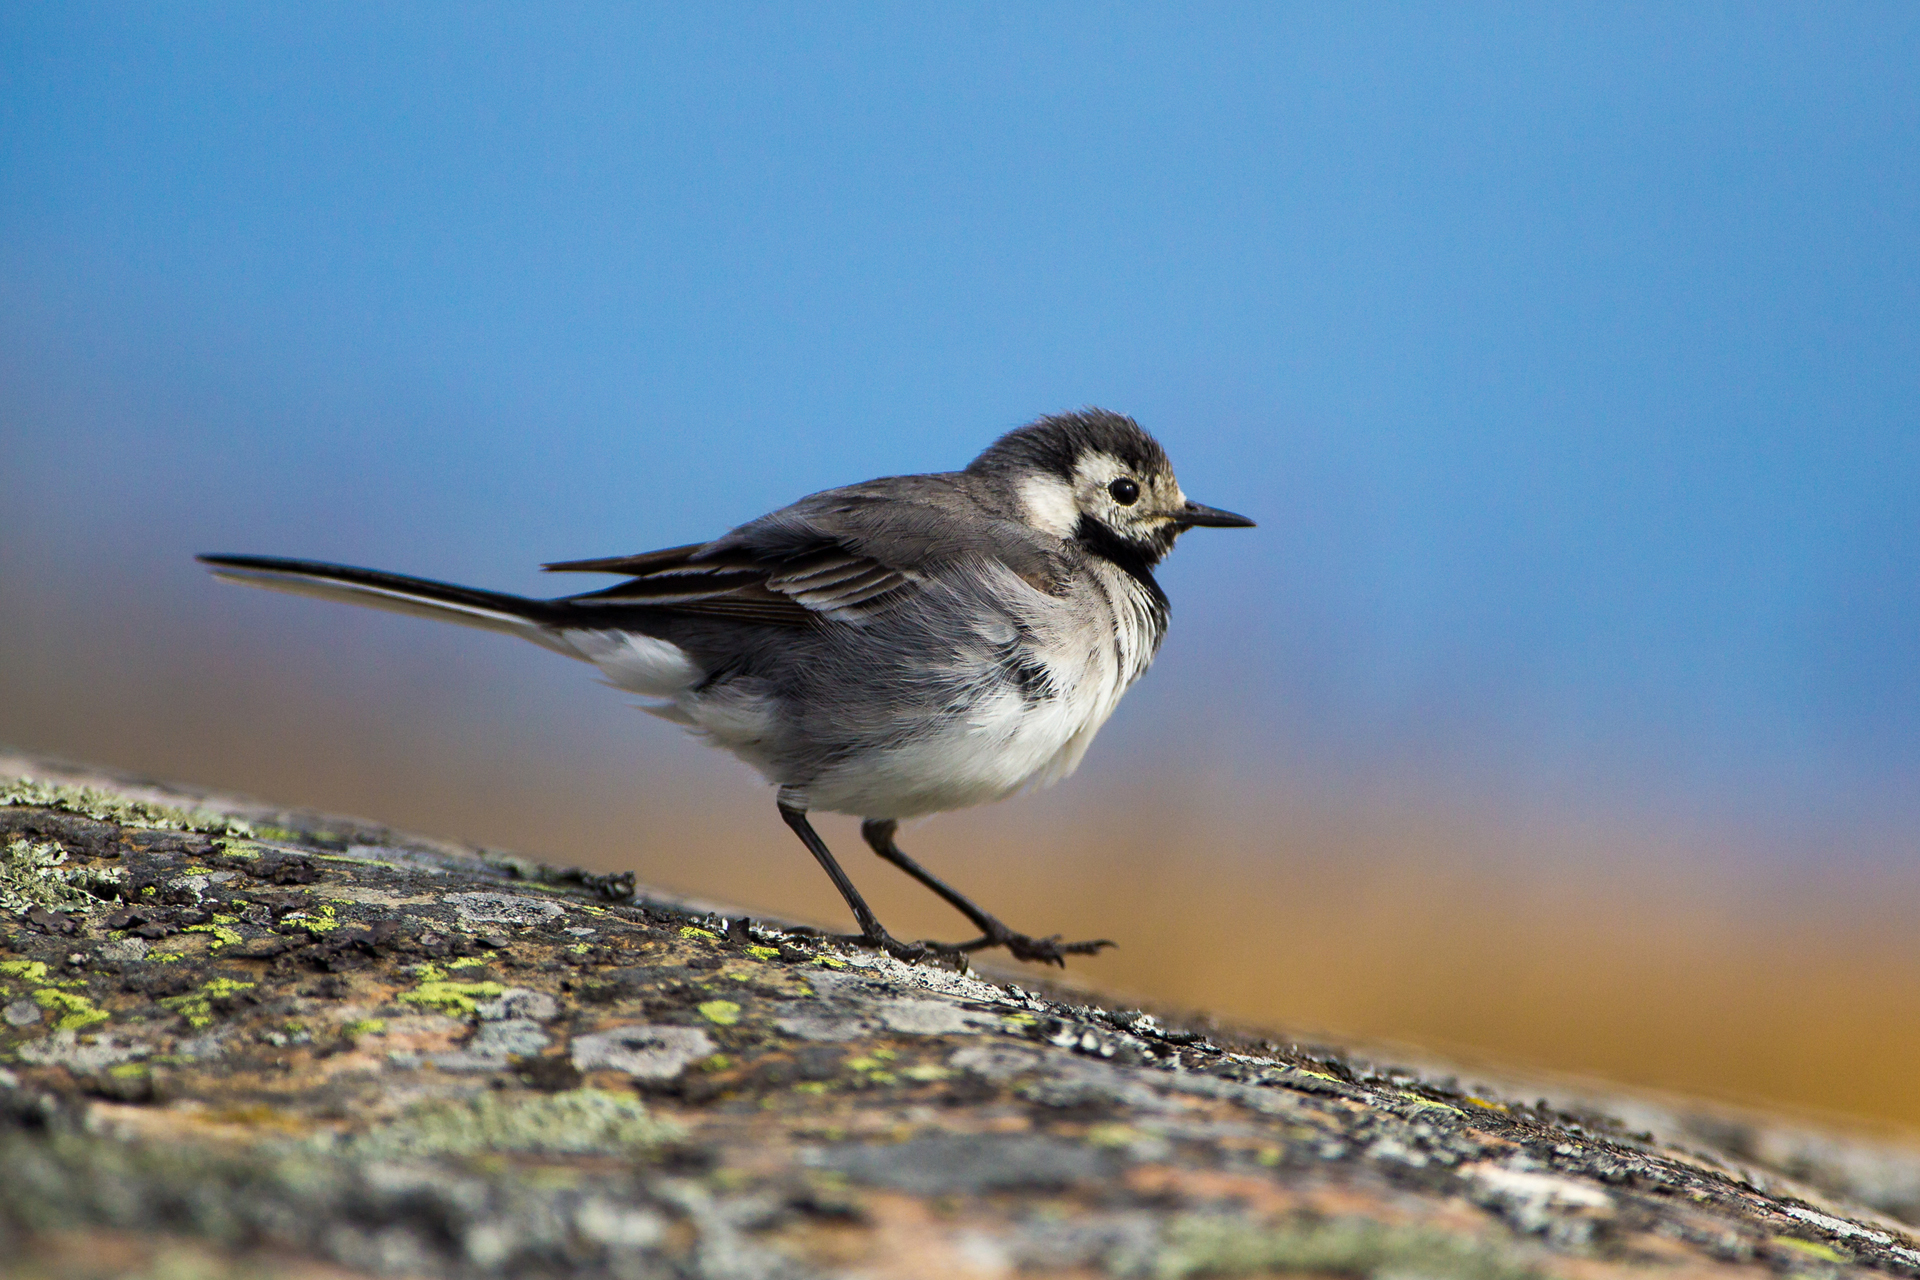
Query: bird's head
x,y
1099,478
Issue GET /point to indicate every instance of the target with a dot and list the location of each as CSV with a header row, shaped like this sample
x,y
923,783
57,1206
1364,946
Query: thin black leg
x,y
879,833
871,930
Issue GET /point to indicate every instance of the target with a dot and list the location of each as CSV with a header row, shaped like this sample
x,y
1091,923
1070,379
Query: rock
x,y
268,1043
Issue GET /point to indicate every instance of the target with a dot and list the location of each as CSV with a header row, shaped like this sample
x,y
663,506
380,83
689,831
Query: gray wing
x,y
844,555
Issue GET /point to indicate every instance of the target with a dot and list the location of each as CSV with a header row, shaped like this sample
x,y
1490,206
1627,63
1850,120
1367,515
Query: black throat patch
x,y
1136,560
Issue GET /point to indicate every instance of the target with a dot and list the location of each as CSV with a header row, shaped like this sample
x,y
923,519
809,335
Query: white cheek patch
x,y
1049,504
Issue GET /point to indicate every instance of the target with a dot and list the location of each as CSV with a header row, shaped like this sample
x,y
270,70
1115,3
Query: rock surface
x,y
237,1042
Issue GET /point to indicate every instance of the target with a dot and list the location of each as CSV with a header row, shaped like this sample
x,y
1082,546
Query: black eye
x,y
1124,491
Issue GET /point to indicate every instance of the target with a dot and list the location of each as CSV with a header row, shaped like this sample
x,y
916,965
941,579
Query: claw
x,y
1048,950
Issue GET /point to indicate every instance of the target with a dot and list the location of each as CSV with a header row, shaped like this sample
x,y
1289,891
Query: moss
x,y
577,1121
456,998
197,1006
35,873
71,1011
1217,1245
104,806
722,1013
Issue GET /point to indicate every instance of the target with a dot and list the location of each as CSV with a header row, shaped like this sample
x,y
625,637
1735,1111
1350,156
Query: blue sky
x,y
1570,358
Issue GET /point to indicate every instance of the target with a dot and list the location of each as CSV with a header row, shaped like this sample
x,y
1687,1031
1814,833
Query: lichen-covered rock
x,y
236,1042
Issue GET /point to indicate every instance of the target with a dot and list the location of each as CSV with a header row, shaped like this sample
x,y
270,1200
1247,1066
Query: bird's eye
x,y
1124,491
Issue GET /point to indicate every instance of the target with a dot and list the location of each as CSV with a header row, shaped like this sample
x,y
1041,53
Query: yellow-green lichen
x,y
764,953
71,1012
1810,1249
689,931
722,1013
367,1027
104,806
197,1006
456,998
1203,1244
1113,1135
324,922
574,1122
223,934
830,962
26,970
926,1072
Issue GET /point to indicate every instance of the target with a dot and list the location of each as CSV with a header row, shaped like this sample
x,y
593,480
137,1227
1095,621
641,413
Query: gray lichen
x,y
35,873
576,1122
105,806
1222,1245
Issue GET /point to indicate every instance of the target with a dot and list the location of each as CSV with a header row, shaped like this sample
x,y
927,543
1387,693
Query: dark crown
x,y
1057,442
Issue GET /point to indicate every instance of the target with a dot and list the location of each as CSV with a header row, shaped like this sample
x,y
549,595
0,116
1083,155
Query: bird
x,y
889,649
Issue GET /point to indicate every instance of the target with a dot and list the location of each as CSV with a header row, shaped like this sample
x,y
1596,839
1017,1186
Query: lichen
x,y
197,1006
576,1121
1810,1249
1220,1245
457,998
71,1011
325,922
35,873
722,1013
223,934
104,806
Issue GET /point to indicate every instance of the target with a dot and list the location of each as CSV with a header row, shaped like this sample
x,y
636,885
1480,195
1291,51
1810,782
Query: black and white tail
x,y
536,620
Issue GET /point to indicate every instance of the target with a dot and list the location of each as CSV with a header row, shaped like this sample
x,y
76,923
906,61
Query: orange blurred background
x,y
1637,951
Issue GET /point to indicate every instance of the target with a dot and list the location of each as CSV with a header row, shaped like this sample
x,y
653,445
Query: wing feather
x,y
843,556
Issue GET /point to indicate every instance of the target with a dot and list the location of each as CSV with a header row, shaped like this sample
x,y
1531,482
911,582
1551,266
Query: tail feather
x,y
488,610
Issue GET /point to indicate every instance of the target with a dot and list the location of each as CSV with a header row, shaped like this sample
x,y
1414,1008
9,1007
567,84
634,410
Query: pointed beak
x,y
1193,514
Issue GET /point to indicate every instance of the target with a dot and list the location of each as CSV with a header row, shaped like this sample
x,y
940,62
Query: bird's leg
x,y
871,932
879,833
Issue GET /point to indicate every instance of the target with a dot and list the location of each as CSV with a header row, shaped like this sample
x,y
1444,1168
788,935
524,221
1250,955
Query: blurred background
x,y
1564,708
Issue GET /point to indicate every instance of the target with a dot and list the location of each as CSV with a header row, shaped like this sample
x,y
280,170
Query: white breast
x,y
1092,645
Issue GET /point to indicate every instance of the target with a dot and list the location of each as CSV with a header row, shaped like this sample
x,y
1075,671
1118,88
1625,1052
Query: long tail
x,y
489,610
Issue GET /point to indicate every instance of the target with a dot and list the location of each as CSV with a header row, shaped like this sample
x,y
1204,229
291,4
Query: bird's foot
x,y
910,952
1048,950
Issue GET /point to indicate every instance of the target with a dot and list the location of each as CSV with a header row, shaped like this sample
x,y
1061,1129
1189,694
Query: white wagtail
x,y
886,650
